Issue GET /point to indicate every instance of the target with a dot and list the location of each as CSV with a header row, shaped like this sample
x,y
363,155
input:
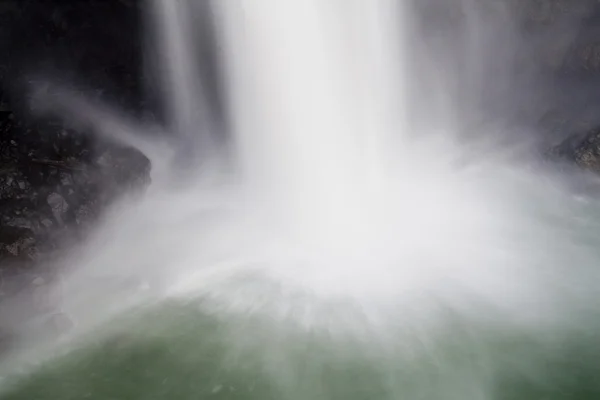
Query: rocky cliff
x,y
56,179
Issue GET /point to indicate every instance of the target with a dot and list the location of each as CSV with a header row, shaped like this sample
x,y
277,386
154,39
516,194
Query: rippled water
x,y
177,351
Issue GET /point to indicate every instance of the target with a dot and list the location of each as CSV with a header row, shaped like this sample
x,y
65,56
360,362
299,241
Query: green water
x,y
177,352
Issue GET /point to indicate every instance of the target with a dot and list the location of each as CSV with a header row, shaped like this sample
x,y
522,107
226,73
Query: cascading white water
x,y
315,104
345,217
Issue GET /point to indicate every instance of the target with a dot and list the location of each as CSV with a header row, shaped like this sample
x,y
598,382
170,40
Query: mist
x,y
365,181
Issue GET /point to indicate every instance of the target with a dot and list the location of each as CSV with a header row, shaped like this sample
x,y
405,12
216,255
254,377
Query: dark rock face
x,y
64,185
565,44
587,155
17,243
48,171
532,64
61,182
582,149
56,179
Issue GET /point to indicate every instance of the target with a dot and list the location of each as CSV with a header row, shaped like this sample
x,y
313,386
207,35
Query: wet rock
x,y
17,244
55,182
83,215
582,149
58,205
56,178
587,153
